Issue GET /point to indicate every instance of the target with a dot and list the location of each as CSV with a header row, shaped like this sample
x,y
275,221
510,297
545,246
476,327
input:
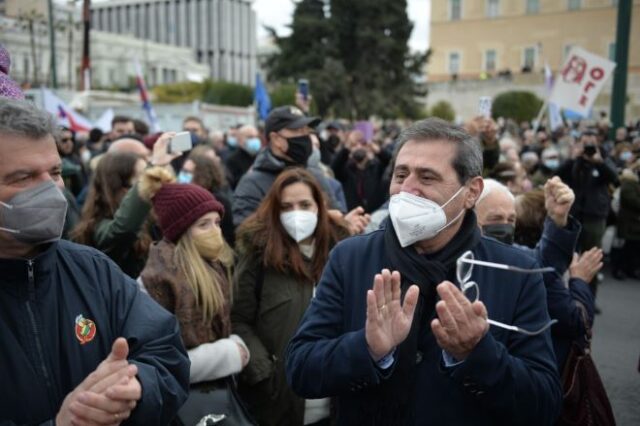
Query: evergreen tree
x,y
357,59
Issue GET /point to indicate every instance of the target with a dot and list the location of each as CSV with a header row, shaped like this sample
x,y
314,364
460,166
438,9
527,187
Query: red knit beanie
x,y
178,206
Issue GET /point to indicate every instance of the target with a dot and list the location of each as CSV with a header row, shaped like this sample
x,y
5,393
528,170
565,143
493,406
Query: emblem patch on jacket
x,y
85,329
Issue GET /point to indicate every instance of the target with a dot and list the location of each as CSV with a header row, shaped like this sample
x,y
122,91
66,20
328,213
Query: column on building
x,y
152,20
196,28
252,47
181,23
203,32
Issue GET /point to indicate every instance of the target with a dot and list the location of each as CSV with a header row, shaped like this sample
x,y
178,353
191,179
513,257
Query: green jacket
x,y
117,237
266,319
629,216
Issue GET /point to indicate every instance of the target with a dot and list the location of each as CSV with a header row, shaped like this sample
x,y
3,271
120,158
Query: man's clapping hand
x,y
107,396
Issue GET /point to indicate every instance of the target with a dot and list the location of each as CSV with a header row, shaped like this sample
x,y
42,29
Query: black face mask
x,y
333,141
300,149
359,154
500,231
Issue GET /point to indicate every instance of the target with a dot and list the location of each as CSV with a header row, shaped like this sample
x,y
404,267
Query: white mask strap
x,y
453,196
454,220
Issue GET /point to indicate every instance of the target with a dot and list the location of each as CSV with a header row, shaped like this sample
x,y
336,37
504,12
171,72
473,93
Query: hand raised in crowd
x,y
107,396
586,265
595,158
388,321
484,129
558,199
460,324
161,156
357,220
302,103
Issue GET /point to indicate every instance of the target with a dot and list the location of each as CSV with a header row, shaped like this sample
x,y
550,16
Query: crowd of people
x,y
426,273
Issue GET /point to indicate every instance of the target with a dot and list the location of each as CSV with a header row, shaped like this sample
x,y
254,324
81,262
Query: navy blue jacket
x,y
509,378
556,248
42,358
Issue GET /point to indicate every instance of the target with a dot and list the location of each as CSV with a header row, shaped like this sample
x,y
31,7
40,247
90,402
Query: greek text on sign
x,y
580,80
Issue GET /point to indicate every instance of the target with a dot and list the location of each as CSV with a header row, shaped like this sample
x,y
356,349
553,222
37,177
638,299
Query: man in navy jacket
x,y
79,343
432,358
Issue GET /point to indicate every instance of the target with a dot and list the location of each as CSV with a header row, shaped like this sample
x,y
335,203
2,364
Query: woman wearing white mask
x,y
283,248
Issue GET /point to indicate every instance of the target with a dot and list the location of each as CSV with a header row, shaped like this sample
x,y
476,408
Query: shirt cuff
x,y
449,361
386,361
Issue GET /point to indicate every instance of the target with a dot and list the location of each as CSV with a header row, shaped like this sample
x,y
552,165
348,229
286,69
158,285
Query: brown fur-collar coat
x,y
168,286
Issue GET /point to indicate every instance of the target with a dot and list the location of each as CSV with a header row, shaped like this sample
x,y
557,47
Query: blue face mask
x,y
552,163
232,141
253,145
185,177
626,155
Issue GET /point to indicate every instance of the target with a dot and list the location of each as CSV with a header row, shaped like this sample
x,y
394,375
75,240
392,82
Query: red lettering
x,y
596,73
590,85
583,100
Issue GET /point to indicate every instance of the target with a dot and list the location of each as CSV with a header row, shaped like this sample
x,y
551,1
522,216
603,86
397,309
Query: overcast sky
x,y
277,14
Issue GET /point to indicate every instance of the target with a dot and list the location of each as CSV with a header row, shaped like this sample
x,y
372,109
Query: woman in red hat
x,y
188,273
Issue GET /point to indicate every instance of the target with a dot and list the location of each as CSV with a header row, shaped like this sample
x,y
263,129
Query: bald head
x,y
130,145
246,132
495,205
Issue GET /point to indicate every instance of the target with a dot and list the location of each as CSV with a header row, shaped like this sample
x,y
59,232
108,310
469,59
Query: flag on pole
x,y
261,98
555,118
580,80
104,122
146,103
64,114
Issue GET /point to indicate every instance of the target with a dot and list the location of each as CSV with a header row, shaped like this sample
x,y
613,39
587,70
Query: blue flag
x,y
261,98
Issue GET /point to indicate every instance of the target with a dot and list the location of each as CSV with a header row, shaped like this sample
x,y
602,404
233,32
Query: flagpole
x,y
545,105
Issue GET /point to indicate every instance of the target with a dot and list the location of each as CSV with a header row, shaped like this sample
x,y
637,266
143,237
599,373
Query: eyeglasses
x,y
464,267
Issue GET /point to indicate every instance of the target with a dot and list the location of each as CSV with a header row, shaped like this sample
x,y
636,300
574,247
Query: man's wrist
x,y
560,221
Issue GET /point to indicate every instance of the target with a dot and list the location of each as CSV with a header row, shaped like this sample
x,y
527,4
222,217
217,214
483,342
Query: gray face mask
x,y
35,215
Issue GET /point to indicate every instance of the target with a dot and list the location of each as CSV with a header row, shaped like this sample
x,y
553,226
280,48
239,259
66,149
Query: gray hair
x,y
468,159
491,186
23,118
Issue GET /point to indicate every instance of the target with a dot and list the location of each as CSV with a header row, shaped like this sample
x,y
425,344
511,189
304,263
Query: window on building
x,y
574,4
612,51
455,10
533,6
493,8
529,59
490,60
454,63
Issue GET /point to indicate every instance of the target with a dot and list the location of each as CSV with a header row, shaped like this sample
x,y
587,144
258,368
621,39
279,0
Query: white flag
x,y
104,122
580,80
64,114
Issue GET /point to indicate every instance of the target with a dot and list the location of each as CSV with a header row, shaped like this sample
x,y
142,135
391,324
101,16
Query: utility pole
x,y
52,47
86,58
619,93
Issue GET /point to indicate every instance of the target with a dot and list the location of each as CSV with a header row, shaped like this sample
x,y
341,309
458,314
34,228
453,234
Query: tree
x,y
444,110
371,40
355,55
517,105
